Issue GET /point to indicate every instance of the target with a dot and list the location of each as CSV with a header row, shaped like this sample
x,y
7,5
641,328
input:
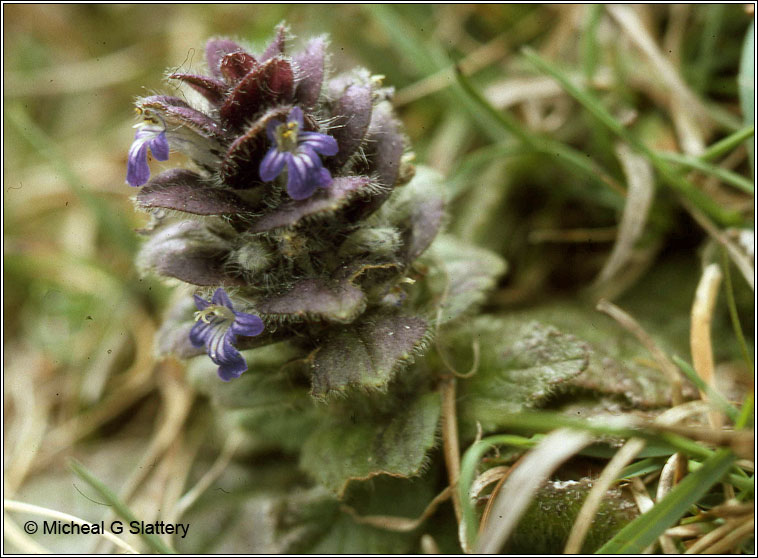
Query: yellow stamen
x,y
214,310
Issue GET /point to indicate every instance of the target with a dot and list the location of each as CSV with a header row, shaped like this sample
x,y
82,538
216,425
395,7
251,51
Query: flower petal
x,y
248,325
137,169
201,303
221,298
320,143
233,364
272,164
159,146
296,115
199,334
321,177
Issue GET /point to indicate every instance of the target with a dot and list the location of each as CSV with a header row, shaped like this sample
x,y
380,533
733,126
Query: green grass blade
x,y
716,398
644,530
589,41
469,465
564,154
697,163
732,304
668,174
724,146
153,541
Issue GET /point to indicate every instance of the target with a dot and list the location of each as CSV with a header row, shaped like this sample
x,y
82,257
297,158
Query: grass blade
x,y
697,163
153,541
644,530
671,177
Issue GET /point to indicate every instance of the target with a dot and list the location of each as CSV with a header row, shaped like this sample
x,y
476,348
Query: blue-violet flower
x,y
217,327
152,135
300,152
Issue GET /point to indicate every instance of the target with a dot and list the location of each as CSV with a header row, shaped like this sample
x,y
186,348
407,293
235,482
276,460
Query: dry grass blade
x,y
227,454
740,260
666,482
640,189
706,544
700,330
22,507
632,25
450,443
599,488
496,474
399,524
523,483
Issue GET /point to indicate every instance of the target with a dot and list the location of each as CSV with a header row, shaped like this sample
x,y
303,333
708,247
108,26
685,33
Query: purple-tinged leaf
x,y
240,167
176,112
352,114
323,203
211,89
236,65
338,302
385,144
276,48
189,252
186,191
272,82
310,72
215,50
367,353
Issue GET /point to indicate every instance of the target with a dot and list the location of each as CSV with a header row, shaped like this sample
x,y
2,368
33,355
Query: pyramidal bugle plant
x,y
305,240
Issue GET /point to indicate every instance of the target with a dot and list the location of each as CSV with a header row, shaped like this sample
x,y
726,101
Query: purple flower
x,y
300,152
152,135
217,327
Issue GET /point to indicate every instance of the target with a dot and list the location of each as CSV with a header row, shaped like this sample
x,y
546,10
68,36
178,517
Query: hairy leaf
x,y
323,203
186,191
361,447
236,65
354,110
189,252
215,50
418,210
211,89
271,82
462,275
334,301
367,353
521,364
310,72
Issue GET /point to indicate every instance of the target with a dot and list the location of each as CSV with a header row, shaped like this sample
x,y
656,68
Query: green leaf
x,y
270,400
521,364
417,210
746,85
357,445
462,275
367,353
644,530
